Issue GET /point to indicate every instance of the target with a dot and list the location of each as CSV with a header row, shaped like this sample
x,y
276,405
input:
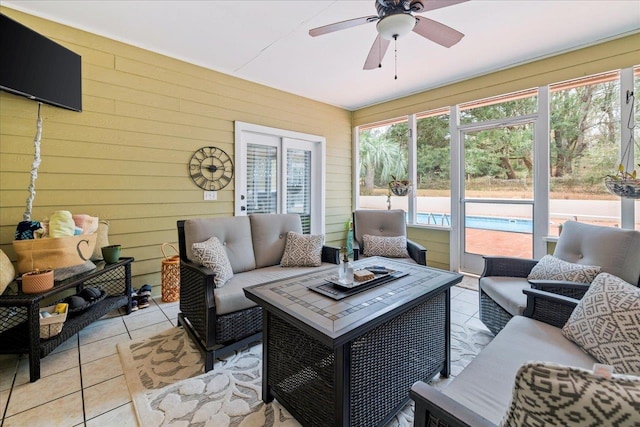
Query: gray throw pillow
x,y
605,323
302,250
211,254
391,247
548,394
552,268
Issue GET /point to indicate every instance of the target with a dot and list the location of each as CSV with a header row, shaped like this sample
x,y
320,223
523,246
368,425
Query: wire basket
x,y
52,326
170,275
629,188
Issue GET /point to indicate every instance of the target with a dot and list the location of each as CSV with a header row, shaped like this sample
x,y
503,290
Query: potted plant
x,y
624,183
37,281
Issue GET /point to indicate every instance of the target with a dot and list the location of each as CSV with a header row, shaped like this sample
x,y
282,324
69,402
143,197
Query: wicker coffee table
x,y
352,362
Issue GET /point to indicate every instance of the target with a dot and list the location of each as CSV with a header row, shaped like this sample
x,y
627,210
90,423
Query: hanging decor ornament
x,y
397,188
626,182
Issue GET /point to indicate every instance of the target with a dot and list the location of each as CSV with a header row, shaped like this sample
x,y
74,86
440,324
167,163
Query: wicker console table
x,y
19,312
352,362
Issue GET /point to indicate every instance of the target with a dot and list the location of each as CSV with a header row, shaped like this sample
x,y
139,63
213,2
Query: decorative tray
x,y
339,291
378,271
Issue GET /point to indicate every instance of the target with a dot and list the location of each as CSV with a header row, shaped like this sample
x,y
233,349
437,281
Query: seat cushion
x,y
233,232
378,223
506,292
231,297
485,385
269,233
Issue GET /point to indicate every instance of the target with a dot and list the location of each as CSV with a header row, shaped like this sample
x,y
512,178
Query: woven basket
x,y
170,275
52,326
36,282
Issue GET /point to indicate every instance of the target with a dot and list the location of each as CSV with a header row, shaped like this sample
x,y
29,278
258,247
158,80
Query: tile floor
x,y
82,382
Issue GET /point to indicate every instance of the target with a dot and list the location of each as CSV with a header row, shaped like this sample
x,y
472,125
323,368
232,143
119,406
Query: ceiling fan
x,y
396,19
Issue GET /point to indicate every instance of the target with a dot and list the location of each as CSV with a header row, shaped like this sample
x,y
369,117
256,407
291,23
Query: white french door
x,y
279,171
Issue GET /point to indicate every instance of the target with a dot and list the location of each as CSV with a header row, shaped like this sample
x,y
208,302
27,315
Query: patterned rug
x,y
168,387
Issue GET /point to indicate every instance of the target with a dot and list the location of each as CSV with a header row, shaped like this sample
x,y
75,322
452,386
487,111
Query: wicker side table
x,y
20,323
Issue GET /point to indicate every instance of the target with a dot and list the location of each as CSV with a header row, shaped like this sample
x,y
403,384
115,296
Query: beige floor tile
x,y
106,396
145,319
65,411
464,307
8,372
71,342
99,349
103,329
150,330
122,416
49,365
46,389
101,370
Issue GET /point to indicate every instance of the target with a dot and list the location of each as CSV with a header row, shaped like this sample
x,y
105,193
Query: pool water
x,y
482,222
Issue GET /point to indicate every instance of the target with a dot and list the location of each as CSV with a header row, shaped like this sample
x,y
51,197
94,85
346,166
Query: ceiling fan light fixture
x,y
396,25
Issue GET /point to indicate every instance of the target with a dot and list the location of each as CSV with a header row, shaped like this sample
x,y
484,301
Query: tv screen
x,y
38,68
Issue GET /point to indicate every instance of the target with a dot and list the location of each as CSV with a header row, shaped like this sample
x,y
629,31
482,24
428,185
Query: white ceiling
x,y
268,42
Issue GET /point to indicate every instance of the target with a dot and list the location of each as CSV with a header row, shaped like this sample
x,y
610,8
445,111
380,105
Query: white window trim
x,y
318,176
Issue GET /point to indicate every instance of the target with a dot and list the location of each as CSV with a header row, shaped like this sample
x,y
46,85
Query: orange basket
x,y
170,275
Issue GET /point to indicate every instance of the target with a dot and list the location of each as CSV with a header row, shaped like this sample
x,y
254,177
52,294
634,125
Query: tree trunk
x,y
506,164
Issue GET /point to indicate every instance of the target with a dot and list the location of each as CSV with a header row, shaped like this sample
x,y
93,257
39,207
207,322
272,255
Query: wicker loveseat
x,y
482,394
221,319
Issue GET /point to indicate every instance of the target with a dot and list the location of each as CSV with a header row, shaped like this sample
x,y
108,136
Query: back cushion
x,y
616,251
269,233
233,232
389,223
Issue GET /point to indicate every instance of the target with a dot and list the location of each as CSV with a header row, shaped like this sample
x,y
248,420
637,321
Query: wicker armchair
x,y
504,281
389,223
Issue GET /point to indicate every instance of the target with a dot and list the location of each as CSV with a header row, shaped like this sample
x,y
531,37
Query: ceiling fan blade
x,y
342,25
379,48
438,4
437,32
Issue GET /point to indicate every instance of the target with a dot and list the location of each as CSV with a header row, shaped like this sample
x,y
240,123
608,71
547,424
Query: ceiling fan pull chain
x,y
395,46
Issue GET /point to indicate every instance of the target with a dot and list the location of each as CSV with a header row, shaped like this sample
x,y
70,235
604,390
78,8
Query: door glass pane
x,y
499,229
262,177
299,186
498,162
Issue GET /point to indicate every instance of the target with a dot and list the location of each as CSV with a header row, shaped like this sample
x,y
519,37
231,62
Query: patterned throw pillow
x,y
392,247
211,254
552,268
548,394
605,323
302,250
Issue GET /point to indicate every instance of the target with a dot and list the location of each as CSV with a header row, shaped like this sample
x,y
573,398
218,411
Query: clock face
x,y
211,168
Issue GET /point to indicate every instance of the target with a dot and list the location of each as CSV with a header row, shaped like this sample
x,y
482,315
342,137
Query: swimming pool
x,y
482,222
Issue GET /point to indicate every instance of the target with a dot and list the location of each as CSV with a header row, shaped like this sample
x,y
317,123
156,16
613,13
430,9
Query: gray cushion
x,y
233,232
212,255
485,385
392,247
231,297
616,251
552,268
506,292
605,323
379,223
549,394
269,233
302,250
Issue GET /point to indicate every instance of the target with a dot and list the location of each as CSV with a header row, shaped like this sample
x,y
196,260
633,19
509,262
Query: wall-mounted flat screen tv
x,y
34,66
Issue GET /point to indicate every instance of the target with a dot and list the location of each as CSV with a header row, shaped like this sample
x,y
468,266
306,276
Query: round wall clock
x,y
211,168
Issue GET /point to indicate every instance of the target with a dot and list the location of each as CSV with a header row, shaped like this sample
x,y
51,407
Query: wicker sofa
x,y
482,393
221,319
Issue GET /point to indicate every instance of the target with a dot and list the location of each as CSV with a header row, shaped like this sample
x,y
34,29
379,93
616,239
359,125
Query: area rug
x,y
168,386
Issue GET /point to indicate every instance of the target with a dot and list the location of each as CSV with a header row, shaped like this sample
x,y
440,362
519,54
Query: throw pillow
x,y
552,268
548,394
302,250
7,272
605,323
392,247
211,254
